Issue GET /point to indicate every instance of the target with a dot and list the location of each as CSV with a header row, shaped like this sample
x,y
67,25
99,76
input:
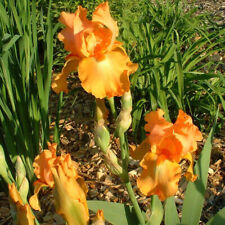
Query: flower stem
x,y
112,107
135,203
125,160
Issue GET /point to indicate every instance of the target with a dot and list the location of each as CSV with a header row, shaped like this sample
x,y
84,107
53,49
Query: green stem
x,y
112,107
125,160
124,151
135,203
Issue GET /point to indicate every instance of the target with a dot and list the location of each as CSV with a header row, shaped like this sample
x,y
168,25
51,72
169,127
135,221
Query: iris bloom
x,y
60,173
102,64
24,215
70,192
165,146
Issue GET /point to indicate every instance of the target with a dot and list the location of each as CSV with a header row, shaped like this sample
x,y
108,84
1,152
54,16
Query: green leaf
x,y
169,54
171,216
12,41
115,213
195,191
156,211
218,219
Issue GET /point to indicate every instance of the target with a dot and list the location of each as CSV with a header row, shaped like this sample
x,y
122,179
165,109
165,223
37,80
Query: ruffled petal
x,y
159,176
189,174
68,166
34,201
72,35
59,82
187,133
157,126
102,15
107,77
42,166
170,147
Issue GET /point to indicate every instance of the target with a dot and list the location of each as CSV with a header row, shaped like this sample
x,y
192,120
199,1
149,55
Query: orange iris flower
x,y
102,64
24,215
165,146
60,173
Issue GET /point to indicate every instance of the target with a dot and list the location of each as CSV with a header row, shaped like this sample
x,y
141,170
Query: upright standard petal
x,y
102,15
159,176
107,77
186,132
157,126
59,82
42,167
71,35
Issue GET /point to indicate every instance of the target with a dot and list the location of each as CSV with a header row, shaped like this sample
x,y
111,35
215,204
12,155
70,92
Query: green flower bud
x,y
126,101
114,165
123,121
102,137
24,189
20,171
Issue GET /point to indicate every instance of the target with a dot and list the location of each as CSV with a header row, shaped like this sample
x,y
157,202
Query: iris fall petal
x,y
108,77
59,82
159,176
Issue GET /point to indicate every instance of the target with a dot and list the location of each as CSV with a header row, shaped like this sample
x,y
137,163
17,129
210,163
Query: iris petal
x,y
107,77
59,82
159,176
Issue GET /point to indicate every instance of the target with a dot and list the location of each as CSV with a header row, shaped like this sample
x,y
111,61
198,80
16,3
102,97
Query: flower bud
x,y
20,171
126,100
99,218
123,121
70,198
101,111
24,189
102,137
114,165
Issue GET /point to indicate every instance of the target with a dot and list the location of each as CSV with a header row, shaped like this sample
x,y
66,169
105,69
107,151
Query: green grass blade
x,y
180,78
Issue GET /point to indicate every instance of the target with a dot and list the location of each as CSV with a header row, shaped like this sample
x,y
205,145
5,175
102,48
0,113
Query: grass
x,y
25,78
173,49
